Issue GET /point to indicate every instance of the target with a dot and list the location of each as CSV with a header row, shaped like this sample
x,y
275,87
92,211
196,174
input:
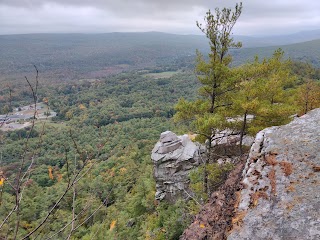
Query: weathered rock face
x,y
174,157
281,194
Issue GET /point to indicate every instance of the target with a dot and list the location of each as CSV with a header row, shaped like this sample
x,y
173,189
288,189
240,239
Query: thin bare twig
x,y
73,200
19,175
10,104
192,197
102,204
55,205
73,219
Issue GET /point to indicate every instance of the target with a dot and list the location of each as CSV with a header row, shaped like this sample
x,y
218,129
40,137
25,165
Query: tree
x,y
215,75
217,78
308,96
264,93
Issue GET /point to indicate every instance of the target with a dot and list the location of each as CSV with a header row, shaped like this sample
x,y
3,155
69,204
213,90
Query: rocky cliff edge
x,y
280,193
281,179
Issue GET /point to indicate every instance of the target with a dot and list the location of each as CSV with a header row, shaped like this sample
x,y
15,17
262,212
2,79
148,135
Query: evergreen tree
x,y
308,96
217,78
215,75
264,93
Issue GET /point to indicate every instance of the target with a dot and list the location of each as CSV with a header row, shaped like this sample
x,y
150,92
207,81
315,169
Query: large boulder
x,y
281,179
275,196
174,157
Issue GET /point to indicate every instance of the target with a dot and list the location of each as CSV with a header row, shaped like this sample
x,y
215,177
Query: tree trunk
x,y
205,169
243,129
306,102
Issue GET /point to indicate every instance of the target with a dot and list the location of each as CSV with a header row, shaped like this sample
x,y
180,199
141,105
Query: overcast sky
x,y
259,17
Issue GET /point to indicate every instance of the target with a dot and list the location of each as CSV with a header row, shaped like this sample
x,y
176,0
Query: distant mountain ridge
x,y
305,51
74,56
277,40
249,41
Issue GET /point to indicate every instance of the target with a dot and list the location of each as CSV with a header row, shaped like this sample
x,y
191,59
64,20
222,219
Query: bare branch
x,y
10,104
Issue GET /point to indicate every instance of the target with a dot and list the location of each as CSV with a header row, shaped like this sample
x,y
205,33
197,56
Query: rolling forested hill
x,y
70,56
305,52
62,57
277,40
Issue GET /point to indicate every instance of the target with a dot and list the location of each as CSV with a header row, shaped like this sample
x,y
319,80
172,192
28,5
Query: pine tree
x,y
308,96
264,93
208,113
215,75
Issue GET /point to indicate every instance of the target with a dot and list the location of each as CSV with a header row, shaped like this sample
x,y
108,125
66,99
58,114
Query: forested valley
x,y
86,173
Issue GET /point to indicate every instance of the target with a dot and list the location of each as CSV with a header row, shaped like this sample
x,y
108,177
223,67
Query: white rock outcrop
x,y
174,157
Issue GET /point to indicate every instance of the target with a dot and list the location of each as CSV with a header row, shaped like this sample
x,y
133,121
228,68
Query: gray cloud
x,y
258,17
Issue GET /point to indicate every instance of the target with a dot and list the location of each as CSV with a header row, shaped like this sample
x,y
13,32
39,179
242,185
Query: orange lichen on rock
x,y
316,168
290,206
238,218
286,167
238,199
202,225
272,177
296,200
291,188
255,197
271,160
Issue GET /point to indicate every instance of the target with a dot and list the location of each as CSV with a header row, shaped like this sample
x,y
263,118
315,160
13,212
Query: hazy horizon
x,y
172,33
178,17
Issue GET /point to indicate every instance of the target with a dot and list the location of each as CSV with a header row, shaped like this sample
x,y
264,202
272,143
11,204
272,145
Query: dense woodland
x,y
96,151
116,122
